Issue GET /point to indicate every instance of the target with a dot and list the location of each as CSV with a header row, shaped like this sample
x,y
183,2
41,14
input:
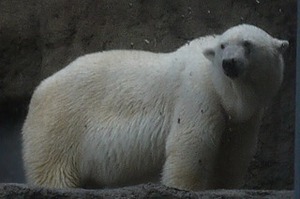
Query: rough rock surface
x,y
154,191
37,38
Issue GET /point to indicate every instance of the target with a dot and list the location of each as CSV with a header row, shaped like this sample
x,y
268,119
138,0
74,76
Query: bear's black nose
x,y
230,68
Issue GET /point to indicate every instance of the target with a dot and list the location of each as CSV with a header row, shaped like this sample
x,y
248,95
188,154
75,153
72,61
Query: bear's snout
x,y
230,68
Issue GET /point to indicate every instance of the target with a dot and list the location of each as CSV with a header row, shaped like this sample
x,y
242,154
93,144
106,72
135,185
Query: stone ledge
x,y
140,191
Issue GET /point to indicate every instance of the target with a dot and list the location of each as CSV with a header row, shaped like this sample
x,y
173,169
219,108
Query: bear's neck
x,y
239,100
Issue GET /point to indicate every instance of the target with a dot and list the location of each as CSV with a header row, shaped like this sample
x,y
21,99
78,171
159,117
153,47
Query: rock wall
x,y
37,38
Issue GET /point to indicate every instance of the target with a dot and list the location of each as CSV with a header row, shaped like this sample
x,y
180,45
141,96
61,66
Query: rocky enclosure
x,y
37,38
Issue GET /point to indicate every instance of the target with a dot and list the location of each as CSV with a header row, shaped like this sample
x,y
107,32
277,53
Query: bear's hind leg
x,y
52,175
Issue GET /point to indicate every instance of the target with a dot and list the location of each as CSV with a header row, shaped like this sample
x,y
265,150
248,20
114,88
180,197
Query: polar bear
x,y
189,118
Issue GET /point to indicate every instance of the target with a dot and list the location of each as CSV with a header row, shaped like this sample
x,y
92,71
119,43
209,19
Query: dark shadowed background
x,y
37,38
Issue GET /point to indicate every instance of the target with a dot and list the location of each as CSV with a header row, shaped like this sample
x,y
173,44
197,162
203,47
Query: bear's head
x,y
246,48
249,60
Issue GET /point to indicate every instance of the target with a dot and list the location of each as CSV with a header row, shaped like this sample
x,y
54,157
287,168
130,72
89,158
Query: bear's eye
x,y
222,46
247,44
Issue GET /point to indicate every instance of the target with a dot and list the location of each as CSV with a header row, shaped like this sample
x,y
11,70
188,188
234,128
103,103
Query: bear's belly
x,y
124,151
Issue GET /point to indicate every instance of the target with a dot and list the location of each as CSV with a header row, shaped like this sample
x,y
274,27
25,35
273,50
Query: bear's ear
x,y
209,53
281,45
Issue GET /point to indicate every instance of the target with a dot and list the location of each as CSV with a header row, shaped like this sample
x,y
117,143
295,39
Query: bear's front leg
x,y
237,148
191,151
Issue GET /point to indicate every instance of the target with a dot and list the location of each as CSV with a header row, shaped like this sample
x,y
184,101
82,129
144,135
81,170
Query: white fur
x,y
123,117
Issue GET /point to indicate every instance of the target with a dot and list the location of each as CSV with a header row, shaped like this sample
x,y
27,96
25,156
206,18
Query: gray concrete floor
x,y
136,192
